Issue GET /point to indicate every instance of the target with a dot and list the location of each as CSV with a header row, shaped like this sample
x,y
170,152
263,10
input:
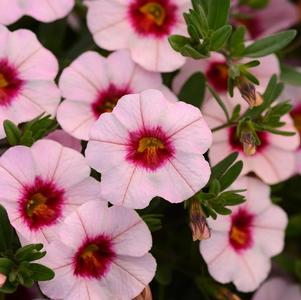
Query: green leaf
x,y
7,233
290,75
219,169
218,13
12,132
236,43
215,187
177,42
189,51
30,252
220,37
230,175
40,272
229,198
193,91
270,44
6,265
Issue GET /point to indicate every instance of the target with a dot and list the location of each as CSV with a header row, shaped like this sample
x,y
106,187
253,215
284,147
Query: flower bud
x,y
249,142
2,279
225,294
198,224
146,294
249,93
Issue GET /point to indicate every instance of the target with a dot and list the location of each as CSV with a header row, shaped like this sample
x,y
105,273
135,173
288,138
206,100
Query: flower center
x,y
94,257
107,99
10,83
3,81
149,148
154,12
238,146
155,18
240,235
217,74
41,204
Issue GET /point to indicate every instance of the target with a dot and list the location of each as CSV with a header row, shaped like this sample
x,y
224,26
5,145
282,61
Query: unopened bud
x,y
198,224
2,279
249,143
249,93
225,294
145,295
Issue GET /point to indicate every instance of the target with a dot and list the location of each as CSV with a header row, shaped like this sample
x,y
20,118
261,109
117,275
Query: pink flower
x,y
274,160
242,244
216,71
142,26
278,289
100,253
40,185
65,139
92,85
293,93
150,147
278,15
27,72
42,10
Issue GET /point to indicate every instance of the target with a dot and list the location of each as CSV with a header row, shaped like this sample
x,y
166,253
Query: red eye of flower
x,y
152,17
217,74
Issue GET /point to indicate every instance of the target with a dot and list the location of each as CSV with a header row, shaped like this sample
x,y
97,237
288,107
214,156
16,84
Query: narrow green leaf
x,y
236,42
40,272
270,44
12,132
230,175
189,51
290,75
218,13
193,91
7,233
220,37
219,169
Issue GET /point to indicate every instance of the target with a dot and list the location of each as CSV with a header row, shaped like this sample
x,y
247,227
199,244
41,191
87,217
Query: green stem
x,y
219,101
226,125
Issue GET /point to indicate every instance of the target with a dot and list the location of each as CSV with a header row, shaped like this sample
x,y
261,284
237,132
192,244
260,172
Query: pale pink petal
x,y
222,261
48,11
83,79
107,21
76,117
131,236
59,259
253,268
65,166
269,229
65,139
128,276
11,15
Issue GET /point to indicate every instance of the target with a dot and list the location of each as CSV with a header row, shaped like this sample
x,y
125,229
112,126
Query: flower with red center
x,y
38,193
274,160
242,243
27,73
278,288
100,252
41,10
150,147
276,16
92,85
142,26
216,71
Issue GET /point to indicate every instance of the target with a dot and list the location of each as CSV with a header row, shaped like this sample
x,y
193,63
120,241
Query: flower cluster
x,y
133,102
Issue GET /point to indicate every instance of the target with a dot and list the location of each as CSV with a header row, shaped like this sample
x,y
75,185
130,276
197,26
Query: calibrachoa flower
x,y
92,85
40,185
216,70
274,160
292,93
276,16
150,147
278,289
242,244
65,139
42,10
100,253
142,26
27,72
